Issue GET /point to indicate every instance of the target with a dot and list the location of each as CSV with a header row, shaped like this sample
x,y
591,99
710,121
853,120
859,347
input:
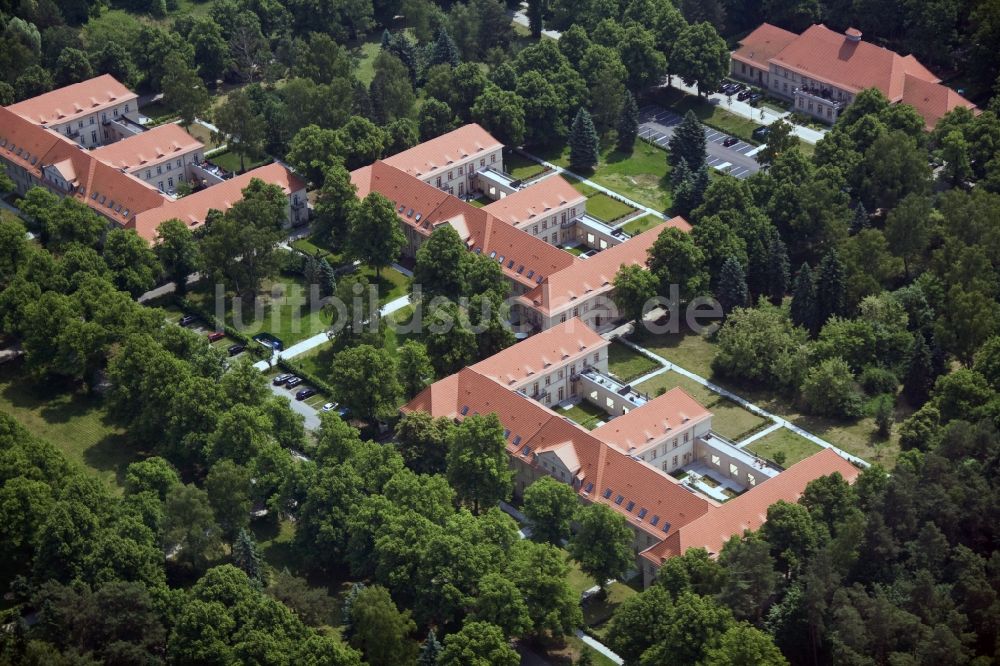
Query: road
x,y
657,124
299,407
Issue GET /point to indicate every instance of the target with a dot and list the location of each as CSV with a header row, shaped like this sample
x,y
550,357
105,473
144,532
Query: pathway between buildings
x,y
746,404
611,193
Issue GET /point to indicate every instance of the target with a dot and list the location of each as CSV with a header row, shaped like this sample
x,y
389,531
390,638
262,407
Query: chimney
x,y
853,35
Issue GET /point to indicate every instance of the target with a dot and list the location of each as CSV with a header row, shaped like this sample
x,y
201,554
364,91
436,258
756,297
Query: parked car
x,y
754,99
293,382
329,407
187,320
282,378
760,134
236,349
730,141
215,336
743,94
305,393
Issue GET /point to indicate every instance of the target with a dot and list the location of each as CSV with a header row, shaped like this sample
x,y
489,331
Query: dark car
x,y
236,349
760,134
737,86
282,378
215,336
730,141
293,382
754,99
187,320
305,393
743,94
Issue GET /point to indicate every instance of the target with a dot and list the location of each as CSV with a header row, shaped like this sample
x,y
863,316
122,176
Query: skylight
x,y
517,440
642,513
631,505
465,410
666,526
654,521
618,500
590,488
607,494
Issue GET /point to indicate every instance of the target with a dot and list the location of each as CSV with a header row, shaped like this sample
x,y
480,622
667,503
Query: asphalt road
x,y
298,406
657,124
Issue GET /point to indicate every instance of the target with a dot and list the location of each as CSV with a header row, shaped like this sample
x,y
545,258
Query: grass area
x,y
728,419
365,53
203,134
576,250
481,201
391,283
606,208
687,349
230,161
627,364
640,224
597,612
640,175
521,167
795,447
708,113
75,423
585,414
158,109
309,247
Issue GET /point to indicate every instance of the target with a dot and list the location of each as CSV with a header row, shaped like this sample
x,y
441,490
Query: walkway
x,y
611,193
746,404
761,115
598,646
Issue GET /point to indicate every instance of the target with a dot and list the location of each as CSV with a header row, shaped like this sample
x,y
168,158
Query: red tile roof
x,y
441,152
762,44
672,412
749,510
536,201
149,147
932,100
597,274
78,99
193,209
531,357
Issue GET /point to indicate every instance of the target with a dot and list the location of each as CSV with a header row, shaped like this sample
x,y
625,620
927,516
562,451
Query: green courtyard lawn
x,y
75,423
728,419
640,224
687,349
585,414
627,364
481,201
521,167
795,447
230,161
606,208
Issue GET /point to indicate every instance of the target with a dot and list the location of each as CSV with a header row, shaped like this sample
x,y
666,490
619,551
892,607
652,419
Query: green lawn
x,y
795,447
728,419
365,53
689,350
627,364
597,612
75,423
391,283
230,161
521,167
203,134
640,224
576,250
585,414
640,175
309,246
606,208
481,201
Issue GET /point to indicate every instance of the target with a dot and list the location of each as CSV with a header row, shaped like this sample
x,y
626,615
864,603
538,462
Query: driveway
x,y
657,124
299,407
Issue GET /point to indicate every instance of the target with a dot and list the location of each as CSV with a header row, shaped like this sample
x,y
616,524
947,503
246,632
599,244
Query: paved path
x,y
600,647
762,114
746,404
648,376
310,415
657,124
760,434
611,193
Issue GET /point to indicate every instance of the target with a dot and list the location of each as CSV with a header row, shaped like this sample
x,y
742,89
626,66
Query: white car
x,y
330,406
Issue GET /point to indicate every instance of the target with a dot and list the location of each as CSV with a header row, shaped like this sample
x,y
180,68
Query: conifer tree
x,y
584,145
831,289
732,290
803,307
535,20
348,608
444,51
689,192
861,220
246,557
429,651
777,270
327,278
628,124
687,143
920,373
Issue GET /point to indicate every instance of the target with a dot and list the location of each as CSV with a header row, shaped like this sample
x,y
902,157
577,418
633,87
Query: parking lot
x,y
656,124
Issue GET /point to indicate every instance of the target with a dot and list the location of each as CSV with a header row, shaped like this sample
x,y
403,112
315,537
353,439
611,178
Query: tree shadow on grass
x,y
112,453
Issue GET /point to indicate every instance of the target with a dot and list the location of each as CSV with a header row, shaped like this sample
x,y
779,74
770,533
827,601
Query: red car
x,y
216,335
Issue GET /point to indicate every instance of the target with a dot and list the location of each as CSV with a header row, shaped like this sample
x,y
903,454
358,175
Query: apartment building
x,y
821,71
163,156
451,161
83,112
547,209
615,464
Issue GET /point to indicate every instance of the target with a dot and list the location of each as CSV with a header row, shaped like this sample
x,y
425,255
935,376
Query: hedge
x,y
321,385
203,313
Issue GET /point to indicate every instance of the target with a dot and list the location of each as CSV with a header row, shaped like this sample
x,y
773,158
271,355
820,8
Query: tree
x,y
335,202
676,260
639,623
777,271
132,260
761,345
501,113
792,534
450,340
190,534
545,109
315,150
955,152
634,288
732,290
375,236
584,145
536,10
183,88
441,265
391,91
908,229
743,645
477,462
893,167
430,651
499,602
750,578
364,381
423,441
919,373
644,63
602,543
246,557
434,119
803,306
829,390
444,51
540,572
831,297
700,56
72,66
242,128
247,45
177,251
550,506
687,144
228,488
884,415
478,644
380,630
211,51
415,369
628,124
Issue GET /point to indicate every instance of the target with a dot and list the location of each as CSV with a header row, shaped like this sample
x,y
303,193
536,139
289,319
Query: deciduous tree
x,y
477,462
602,544
550,506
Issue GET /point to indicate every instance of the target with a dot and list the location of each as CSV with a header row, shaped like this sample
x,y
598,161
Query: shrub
x,y
829,390
876,381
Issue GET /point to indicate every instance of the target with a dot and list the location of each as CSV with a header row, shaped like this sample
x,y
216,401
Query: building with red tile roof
x,y
80,110
822,70
449,162
161,155
666,516
545,209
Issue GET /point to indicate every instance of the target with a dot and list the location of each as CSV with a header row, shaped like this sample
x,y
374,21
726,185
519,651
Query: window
x,y
170,182
548,380
178,164
653,457
560,374
92,120
618,500
687,436
716,460
159,169
665,466
751,480
545,224
80,124
461,170
534,230
160,185
733,469
493,159
630,506
573,212
545,238
149,174
450,175
536,388
116,113
675,461
439,181
597,357
482,162
126,108
675,442
93,137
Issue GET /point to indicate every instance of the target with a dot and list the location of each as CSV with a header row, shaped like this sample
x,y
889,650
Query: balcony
x,y
821,96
